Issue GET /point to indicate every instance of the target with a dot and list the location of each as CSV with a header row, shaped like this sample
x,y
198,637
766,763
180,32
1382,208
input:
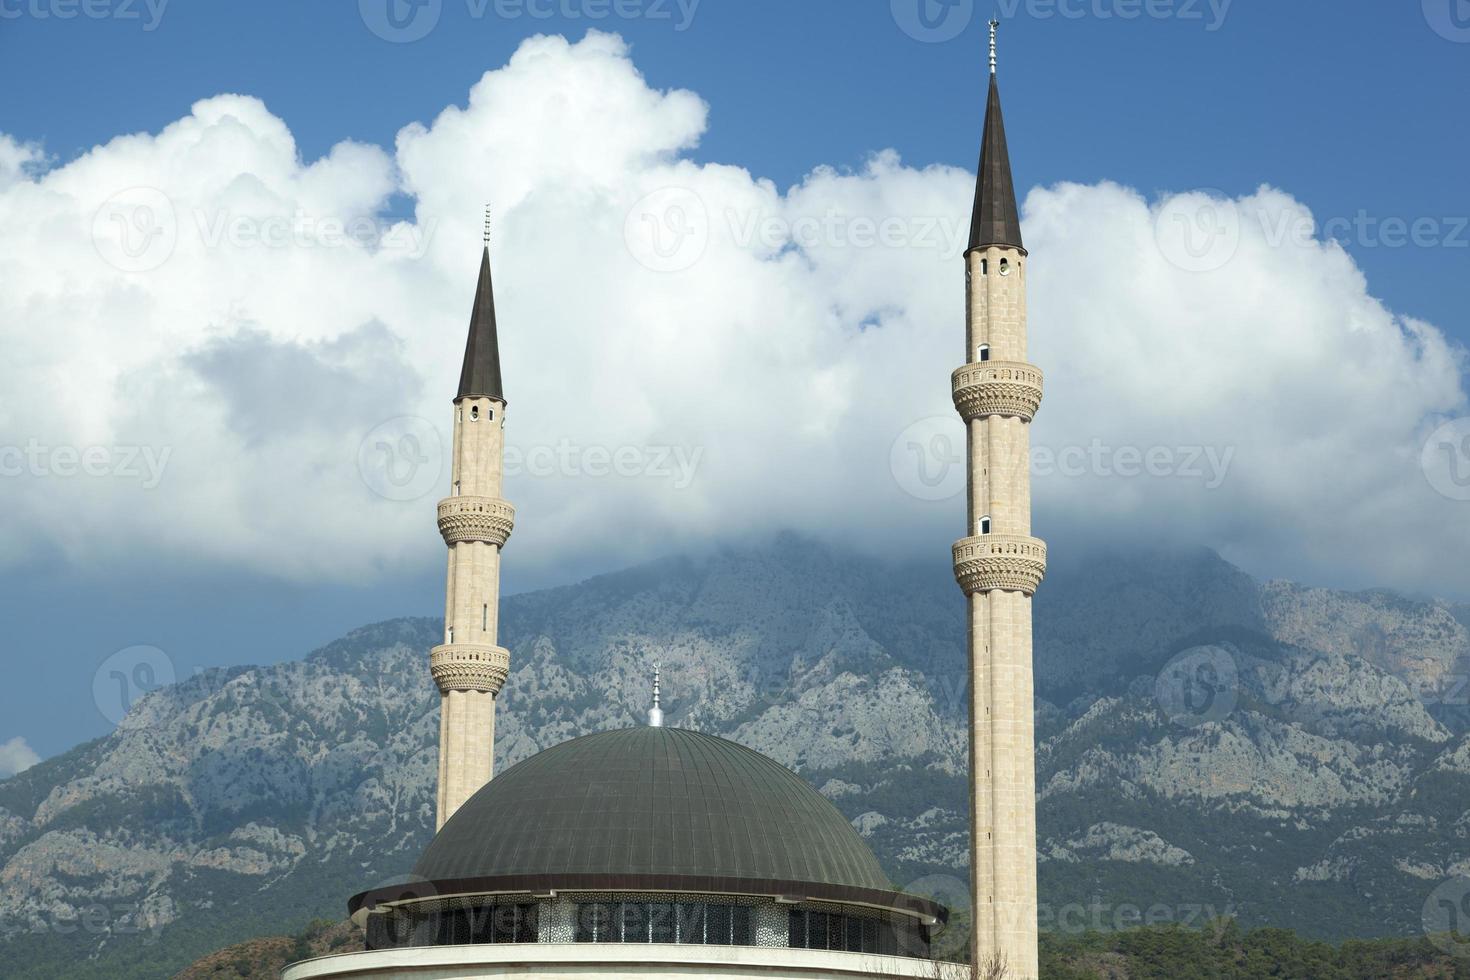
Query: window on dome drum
x,y
854,934
458,926
692,923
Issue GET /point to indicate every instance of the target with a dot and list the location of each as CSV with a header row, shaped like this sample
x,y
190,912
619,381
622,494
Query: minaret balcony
x,y
1005,388
469,667
999,562
487,519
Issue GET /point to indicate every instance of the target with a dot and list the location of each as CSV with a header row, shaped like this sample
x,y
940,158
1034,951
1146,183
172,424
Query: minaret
x,y
469,667
999,565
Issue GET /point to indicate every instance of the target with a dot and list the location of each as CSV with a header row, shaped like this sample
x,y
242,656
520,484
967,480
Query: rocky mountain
x,y
1208,746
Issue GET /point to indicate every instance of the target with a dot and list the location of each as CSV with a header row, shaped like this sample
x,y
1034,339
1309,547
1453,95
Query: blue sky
x,y
1354,108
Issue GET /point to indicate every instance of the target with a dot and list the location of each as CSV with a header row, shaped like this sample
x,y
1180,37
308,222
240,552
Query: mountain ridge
x,y
1192,752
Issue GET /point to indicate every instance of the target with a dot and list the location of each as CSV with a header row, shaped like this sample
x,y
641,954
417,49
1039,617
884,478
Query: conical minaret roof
x,y
480,376
995,220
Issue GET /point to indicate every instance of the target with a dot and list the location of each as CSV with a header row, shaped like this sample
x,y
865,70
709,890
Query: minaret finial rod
x,y
656,713
994,26
487,224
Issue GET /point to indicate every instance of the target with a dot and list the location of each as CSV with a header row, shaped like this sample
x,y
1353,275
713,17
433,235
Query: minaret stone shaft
x,y
999,564
470,667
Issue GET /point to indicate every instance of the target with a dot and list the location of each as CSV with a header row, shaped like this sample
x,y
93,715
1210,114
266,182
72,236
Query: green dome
x,y
660,807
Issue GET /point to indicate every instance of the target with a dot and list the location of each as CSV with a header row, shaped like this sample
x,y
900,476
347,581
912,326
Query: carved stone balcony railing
x,y
999,562
487,519
469,667
1009,388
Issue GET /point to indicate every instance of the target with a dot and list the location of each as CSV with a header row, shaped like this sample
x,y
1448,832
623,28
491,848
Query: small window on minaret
x,y
449,634
474,413
1005,267
982,353
491,416
485,616
985,525
985,267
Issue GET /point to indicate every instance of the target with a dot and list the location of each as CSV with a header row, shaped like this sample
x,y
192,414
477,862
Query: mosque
x,y
660,852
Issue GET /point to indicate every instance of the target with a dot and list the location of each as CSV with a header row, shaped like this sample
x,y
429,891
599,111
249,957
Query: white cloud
x,y
16,756
799,335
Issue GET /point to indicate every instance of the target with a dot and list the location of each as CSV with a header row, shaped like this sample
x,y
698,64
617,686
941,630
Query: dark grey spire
x,y
995,220
480,376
